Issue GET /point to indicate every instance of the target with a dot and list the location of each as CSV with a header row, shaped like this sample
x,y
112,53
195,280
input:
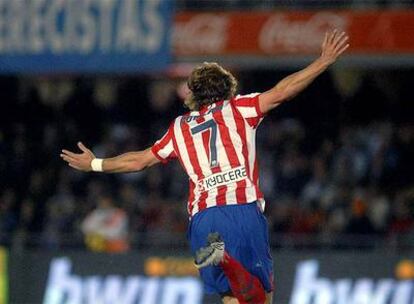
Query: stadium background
x,y
336,162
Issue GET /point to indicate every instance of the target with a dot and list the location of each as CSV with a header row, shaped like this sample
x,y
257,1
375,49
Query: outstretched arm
x,y
128,162
333,46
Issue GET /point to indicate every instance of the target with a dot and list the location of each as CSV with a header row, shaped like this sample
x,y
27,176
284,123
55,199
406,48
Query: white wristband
x,y
96,164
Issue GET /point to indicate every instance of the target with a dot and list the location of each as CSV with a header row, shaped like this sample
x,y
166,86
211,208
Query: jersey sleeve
x,y
249,108
163,149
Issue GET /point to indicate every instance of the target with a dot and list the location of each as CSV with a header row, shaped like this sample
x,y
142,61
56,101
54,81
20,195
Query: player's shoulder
x,y
250,95
244,100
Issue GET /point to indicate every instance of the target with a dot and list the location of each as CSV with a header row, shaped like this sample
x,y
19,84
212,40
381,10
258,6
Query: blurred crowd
x,y
336,163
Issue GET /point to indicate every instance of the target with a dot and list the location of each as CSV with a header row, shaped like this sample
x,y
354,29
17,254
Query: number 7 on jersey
x,y
209,124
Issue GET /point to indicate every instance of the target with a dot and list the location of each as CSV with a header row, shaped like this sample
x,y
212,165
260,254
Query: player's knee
x,y
229,300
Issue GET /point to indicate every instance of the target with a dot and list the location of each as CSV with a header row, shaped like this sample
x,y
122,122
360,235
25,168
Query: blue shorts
x,y
244,230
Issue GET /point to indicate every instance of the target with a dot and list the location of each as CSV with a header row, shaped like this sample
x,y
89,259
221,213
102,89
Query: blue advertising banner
x,y
59,36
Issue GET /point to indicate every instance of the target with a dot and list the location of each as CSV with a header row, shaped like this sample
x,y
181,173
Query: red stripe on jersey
x,y
241,131
176,150
259,193
164,141
191,197
253,122
243,102
231,154
192,154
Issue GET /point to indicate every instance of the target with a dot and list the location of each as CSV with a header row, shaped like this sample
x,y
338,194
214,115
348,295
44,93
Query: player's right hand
x,y
80,161
334,44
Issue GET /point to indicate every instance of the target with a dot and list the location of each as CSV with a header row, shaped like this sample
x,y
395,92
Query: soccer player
x,y
215,144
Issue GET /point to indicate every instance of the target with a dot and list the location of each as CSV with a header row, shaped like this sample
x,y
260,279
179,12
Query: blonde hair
x,y
209,83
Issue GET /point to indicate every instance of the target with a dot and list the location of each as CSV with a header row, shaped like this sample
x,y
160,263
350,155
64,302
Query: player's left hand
x,y
334,44
80,161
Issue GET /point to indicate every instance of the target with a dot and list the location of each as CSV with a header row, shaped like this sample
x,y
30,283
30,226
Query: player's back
x,y
216,147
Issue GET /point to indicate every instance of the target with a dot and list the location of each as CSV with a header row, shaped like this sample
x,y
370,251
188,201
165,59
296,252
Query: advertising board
x,y
297,33
46,36
138,278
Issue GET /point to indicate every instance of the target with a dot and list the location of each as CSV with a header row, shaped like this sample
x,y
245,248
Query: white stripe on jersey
x,y
165,150
247,111
185,159
169,148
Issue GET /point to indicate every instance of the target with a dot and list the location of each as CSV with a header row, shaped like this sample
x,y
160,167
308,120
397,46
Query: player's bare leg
x,y
269,298
233,300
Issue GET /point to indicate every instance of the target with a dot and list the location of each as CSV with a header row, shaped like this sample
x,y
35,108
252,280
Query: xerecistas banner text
x,y
79,36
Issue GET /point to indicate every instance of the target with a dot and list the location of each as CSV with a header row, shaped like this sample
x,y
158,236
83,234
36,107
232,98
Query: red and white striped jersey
x,y
217,148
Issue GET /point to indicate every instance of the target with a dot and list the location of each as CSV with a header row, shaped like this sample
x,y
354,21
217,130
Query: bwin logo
x,y
309,289
66,288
